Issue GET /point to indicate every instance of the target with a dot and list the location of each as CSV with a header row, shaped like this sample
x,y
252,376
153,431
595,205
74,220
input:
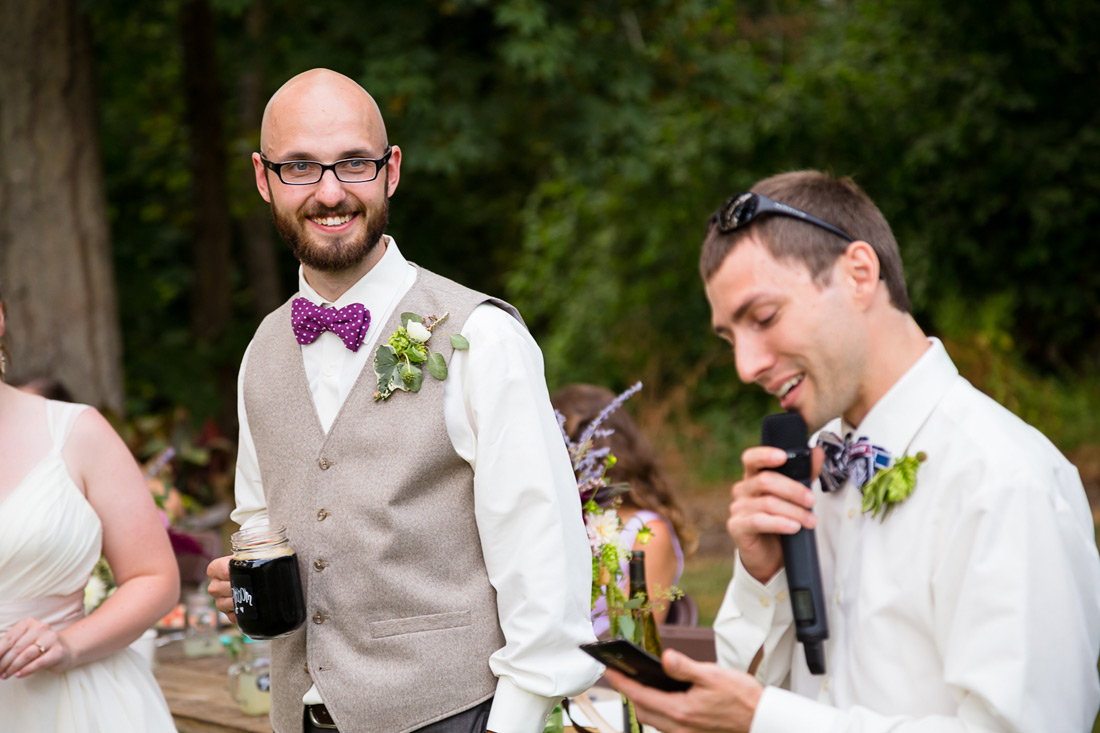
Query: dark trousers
x,y
474,720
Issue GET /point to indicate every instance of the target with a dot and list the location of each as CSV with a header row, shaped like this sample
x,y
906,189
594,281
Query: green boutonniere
x,y
892,485
397,362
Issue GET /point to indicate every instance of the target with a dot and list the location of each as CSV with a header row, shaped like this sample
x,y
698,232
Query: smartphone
x,y
635,662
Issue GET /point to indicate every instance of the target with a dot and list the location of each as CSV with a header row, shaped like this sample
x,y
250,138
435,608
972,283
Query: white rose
x,y
417,332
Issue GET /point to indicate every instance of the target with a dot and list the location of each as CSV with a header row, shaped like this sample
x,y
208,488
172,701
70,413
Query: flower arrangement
x,y
599,502
397,362
892,486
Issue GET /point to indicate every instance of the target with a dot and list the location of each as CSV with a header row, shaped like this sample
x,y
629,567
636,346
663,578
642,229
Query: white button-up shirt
x,y
525,495
973,606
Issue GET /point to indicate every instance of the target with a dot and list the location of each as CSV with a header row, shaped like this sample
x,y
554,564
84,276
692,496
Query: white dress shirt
x,y
975,604
499,419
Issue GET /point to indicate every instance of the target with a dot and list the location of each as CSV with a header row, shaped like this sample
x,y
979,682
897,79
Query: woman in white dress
x,y
69,490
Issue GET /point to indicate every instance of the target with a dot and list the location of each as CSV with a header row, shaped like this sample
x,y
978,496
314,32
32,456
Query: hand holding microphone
x,y
771,523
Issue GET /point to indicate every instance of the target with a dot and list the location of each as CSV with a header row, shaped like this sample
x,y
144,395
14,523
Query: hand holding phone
x,y
635,662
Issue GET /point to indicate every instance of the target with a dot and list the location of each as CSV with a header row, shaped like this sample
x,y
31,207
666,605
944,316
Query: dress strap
x,y
61,416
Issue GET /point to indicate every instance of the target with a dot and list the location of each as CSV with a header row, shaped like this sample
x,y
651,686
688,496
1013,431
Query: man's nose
x,y
753,359
330,191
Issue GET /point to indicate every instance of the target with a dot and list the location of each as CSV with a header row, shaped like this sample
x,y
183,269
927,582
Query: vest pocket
x,y
416,624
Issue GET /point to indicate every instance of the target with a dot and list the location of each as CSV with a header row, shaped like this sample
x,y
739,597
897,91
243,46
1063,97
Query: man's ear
x,y
393,170
861,268
261,177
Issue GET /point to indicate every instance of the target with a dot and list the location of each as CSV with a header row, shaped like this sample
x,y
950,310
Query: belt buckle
x,y
321,712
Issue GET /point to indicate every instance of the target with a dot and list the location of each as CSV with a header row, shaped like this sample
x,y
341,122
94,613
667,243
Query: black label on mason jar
x,y
263,682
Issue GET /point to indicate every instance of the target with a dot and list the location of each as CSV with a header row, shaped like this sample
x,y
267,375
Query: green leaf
x,y
437,366
410,377
417,353
385,368
627,627
459,342
406,317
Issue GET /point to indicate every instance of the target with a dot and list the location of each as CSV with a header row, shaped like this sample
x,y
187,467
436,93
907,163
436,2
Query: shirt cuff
x,y
780,711
517,711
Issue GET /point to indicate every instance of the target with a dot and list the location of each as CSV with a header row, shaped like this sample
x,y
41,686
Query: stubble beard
x,y
336,254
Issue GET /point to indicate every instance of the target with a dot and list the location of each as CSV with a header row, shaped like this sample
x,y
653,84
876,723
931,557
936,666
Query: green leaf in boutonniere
x,y
397,362
892,486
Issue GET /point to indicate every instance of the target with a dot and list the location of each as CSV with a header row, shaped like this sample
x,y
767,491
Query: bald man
x,y
438,532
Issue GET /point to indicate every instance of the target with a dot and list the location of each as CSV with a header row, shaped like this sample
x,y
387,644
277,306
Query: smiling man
x,y
436,521
973,603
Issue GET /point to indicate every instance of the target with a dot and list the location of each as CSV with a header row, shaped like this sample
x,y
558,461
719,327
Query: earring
x,y
3,363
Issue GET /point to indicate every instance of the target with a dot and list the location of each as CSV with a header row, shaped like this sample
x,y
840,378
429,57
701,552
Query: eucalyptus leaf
x,y
411,377
627,626
437,366
459,342
385,366
406,317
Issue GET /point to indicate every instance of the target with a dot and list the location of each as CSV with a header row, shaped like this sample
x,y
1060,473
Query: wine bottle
x,y
643,615
645,627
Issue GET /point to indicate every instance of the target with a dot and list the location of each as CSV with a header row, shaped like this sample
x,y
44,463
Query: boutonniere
x,y
892,486
398,362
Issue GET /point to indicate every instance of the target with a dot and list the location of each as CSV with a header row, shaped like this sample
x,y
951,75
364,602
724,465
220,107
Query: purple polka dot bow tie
x,y
844,459
350,323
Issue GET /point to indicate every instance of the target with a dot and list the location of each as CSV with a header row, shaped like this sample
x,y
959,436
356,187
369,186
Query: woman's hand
x,y
30,646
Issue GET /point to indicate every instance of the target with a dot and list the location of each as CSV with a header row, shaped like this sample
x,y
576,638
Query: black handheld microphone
x,y
787,431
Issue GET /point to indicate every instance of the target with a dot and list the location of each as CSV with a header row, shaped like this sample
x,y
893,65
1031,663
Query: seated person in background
x,y
649,502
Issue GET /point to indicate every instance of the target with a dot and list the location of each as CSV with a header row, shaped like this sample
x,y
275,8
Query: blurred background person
x,y
650,502
69,490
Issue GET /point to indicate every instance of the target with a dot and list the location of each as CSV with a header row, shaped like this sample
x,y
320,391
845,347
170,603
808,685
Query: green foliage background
x,y
566,155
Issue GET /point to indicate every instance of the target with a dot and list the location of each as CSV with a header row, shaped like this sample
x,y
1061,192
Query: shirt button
x,y
330,370
319,564
852,513
781,596
321,514
323,463
319,618
836,598
825,685
764,602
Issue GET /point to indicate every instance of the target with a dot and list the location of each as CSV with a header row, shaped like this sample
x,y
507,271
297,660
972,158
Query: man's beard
x,y
336,254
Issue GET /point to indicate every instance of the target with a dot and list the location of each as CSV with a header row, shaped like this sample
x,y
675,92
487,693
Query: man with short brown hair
x,y
967,598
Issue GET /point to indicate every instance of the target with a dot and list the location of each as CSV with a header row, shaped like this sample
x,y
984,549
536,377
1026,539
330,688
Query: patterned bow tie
x,y
844,459
350,323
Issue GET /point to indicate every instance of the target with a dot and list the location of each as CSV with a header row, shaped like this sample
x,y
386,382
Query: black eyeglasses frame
x,y
742,209
276,168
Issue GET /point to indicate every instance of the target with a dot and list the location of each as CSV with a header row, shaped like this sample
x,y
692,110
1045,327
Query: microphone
x,y
787,431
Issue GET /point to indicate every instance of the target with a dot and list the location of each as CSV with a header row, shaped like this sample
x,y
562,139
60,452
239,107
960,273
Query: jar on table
x,y
201,637
250,678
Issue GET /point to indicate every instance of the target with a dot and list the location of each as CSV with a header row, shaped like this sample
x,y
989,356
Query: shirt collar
x,y
371,289
894,420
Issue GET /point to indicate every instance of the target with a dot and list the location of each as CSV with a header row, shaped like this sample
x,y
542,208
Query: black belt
x,y
317,719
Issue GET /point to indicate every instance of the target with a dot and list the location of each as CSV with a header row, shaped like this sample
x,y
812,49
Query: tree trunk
x,y
260,250
55,255
212,227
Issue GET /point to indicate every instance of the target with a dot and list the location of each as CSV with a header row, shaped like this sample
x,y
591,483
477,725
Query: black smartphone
x,y
635,662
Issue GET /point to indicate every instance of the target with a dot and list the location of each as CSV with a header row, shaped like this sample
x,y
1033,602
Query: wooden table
x,y
198,696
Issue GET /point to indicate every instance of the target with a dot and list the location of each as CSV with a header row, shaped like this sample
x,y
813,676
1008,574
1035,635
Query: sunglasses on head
x,y
740,210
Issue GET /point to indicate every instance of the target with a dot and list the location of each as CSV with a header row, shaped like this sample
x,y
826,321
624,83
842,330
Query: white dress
x,y
50,539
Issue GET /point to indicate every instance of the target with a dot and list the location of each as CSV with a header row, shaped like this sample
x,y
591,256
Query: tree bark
x,y
212,225
260,249
55,254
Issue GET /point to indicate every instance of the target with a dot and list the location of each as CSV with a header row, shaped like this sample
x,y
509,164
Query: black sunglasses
x,y
740,210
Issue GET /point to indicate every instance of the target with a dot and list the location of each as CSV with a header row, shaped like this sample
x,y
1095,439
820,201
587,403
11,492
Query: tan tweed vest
x,y
401,618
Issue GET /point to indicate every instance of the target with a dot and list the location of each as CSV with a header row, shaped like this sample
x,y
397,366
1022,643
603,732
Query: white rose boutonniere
x,y
397,363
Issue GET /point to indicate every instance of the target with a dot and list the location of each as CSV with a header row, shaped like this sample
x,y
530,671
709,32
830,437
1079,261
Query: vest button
x,y
321,514
323,463
319,564
319,618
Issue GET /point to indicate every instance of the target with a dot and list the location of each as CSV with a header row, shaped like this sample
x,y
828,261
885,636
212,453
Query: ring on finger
x,y
41,648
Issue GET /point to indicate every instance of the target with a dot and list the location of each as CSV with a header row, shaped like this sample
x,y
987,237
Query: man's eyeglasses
x,y
740,210
308,172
